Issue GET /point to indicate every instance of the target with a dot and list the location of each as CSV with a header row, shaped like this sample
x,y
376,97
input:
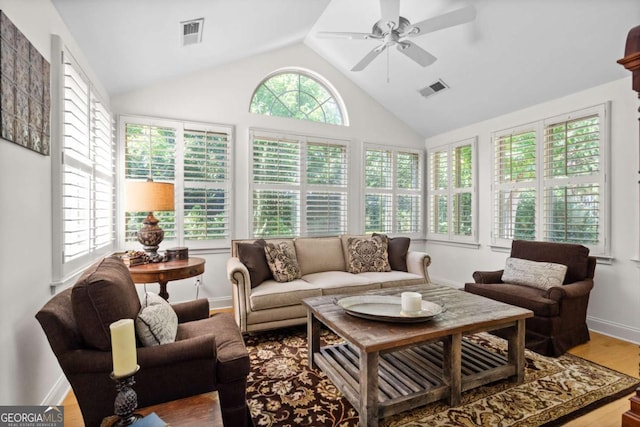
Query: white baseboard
x,y
615,330
220,302
57,393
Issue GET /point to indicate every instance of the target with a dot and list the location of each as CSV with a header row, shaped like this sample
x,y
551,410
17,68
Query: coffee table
x,y
384,368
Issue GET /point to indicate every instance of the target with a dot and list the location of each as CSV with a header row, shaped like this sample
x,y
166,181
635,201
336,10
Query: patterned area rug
x,y
284,392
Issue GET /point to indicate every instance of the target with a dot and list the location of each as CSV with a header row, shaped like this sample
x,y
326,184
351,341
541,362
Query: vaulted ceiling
x,y
514,54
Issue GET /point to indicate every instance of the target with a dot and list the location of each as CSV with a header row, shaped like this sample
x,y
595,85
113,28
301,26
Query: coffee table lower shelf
x,y
411,377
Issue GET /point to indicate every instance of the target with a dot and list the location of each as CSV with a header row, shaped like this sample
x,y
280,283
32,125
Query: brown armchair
x,y
559,320
208,353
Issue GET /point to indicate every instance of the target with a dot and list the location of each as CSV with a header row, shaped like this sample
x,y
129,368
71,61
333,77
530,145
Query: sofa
x,y
327,266
208,352
559,305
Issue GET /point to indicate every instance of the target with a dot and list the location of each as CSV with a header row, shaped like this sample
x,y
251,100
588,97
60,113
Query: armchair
x,y
208,353
560,312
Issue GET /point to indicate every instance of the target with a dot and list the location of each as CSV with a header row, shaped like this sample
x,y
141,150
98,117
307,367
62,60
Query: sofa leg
x,y
233,404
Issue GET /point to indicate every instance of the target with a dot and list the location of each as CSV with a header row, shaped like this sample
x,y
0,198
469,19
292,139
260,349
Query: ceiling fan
x,y
394,29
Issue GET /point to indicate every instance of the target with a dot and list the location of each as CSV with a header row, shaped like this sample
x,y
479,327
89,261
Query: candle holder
x,y
126,401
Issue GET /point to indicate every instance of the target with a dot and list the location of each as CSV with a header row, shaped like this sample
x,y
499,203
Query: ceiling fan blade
x,y
368,58
450,19
390,11
345,35
416,53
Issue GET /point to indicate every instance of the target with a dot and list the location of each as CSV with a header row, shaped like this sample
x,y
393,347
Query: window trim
x,y
312,75
450,236
181,126
603,249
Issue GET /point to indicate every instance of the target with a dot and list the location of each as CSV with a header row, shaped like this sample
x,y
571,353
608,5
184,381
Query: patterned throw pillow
x,y
541,275
157,322
282,261
398,248
368,254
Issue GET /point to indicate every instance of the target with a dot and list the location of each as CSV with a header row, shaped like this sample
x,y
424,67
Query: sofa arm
x,y
191,310
418,263
488,276
238,276
571,290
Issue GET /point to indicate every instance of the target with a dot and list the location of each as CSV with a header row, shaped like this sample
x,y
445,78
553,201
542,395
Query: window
x,y
393,190
299,185
196,158
452,189
299,95
550,181
85,197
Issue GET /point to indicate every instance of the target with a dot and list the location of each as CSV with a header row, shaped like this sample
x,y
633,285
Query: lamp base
x,y
150,236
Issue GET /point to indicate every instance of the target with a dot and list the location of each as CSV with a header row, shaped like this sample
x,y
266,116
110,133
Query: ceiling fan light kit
x,y
394,29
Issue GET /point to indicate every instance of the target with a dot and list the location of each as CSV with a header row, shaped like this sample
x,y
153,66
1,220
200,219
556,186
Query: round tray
x,y
387,308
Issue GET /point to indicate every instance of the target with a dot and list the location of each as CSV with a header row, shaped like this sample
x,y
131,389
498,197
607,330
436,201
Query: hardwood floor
x,y
610,352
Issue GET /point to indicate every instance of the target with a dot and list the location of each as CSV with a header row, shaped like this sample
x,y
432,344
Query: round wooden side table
x,y
164,272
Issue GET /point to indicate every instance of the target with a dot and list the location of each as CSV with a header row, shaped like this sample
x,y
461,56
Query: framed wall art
x,y
25,98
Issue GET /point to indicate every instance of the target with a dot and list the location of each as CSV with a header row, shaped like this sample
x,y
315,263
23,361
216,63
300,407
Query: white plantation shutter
x,y
299,185
196,158
393,190
515,183
207,185
573,179
439,192
550,181
326,185
87,170
452,188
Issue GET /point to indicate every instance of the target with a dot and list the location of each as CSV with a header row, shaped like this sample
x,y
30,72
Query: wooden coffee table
x,y
384,368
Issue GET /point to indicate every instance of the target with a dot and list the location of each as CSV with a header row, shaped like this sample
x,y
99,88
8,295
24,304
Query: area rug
x,y
283,391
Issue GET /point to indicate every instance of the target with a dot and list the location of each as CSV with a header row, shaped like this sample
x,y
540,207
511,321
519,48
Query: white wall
x,y
29,372
222,95
614,302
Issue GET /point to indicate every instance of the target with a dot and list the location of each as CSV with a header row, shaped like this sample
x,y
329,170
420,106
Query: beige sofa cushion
x,y
394,278
271,294
340,282
317,254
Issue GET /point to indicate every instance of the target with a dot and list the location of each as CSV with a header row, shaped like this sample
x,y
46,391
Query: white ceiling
x,y
516,53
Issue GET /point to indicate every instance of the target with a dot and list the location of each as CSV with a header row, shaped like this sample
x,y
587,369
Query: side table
x,y
164,272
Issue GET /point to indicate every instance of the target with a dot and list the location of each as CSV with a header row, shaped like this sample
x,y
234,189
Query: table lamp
x,y
149,196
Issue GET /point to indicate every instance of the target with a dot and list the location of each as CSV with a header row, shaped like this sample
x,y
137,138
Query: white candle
x,y
123,347
411,302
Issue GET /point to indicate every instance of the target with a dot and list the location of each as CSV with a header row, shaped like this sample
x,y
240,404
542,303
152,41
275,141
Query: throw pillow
x,y
368,254
252,255
398,247
157,322
282,261
541,275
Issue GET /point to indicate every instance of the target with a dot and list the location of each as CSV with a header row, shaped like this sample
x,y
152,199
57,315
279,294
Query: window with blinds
x,y
452,188
87,171
558,195
196,158
393,187
299,185
515,182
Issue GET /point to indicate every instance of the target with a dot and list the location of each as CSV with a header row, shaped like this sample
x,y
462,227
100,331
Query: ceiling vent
x,y
191,31
433,88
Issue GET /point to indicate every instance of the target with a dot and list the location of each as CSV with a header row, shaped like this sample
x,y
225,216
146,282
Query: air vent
x,y
191,31
433,88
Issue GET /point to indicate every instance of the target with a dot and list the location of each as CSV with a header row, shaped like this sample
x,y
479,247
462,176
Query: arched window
x,y
300,95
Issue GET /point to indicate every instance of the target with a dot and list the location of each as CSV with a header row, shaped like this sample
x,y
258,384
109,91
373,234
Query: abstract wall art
x,y
25,99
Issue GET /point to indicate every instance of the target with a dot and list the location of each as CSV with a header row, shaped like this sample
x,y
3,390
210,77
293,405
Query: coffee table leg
x,y
452,367
368,389
313,337
516,350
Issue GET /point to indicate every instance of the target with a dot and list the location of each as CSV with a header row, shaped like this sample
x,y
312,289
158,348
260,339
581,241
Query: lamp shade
x,y
148,196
